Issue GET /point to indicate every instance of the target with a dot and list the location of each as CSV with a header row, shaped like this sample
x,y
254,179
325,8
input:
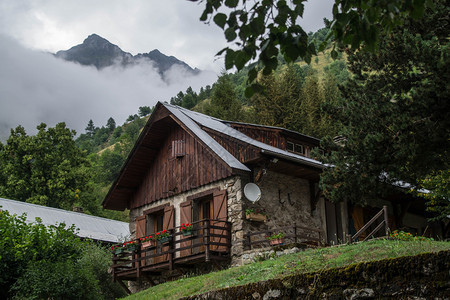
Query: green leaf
x,y
291,53
271,50
204,16
230,34
220,19
240,59
243,17
222,51
229,59
245,32
231,3
208,10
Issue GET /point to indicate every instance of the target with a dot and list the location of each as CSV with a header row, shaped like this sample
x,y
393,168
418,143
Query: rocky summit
x,y
99,52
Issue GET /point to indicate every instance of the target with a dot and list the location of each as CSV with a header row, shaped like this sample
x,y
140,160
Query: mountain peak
x,y
98,51
95,39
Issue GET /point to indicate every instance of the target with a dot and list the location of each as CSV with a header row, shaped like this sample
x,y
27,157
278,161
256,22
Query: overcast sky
x,y
36,87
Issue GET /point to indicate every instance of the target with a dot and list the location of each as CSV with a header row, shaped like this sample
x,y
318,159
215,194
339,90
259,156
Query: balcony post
x,y
206,240
386,220
137,255
171,251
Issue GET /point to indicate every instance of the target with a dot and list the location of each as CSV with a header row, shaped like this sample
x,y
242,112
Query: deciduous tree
x,y
45,169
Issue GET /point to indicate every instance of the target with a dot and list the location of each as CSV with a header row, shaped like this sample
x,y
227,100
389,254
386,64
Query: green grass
x,y
302,262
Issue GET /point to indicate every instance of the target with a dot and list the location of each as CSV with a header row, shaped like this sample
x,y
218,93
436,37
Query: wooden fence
x,y
385,222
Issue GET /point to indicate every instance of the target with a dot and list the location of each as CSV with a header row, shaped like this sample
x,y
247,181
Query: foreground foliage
x,y
40,262
302,262
260,30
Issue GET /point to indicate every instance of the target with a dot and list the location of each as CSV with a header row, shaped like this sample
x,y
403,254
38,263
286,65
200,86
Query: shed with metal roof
x,y
92,227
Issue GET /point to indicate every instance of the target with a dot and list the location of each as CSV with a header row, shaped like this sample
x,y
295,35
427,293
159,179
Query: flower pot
x,y
164,240
147,244
256,217
187,232
275,242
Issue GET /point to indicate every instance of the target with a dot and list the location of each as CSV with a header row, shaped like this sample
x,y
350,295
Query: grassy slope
x,y
301,262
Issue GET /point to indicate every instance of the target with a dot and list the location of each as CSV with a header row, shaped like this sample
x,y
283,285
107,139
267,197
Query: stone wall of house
x,y
286,201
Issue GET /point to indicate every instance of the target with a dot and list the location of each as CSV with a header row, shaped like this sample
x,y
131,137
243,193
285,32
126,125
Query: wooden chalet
x,y
189,168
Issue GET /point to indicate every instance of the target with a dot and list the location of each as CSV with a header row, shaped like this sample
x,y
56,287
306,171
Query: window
x,y
290,146
299,149
178,148
296,148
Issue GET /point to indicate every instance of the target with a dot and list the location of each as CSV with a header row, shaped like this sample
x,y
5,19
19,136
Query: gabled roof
x,y
223,127
188,120
149,141
92,227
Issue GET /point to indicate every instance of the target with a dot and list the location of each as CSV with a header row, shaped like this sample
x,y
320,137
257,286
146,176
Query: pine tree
x,y
111,124
396,114
90,128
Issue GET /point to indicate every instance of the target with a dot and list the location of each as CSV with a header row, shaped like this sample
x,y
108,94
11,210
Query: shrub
x,y
40,262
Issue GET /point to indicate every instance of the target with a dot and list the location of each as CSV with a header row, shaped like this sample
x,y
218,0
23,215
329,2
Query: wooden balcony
x,y
210,242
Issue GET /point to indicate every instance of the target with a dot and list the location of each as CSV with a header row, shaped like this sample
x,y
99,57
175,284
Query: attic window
x,y
299,149
290,146
296,148
178,148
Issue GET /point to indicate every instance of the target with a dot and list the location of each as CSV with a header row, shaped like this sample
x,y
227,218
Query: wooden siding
x,y
242,151
276,137
267,136
171,173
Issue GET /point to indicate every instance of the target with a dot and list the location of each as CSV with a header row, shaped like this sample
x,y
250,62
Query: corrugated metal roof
x,y
221,126
187,120
89,226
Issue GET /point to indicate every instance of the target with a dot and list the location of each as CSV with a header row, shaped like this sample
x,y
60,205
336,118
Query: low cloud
x,y
36,87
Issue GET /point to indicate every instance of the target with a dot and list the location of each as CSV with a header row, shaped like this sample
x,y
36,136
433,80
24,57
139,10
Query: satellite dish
x,y
252,192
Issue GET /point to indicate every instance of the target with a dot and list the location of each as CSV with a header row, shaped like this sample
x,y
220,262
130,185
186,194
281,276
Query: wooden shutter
x,y
219,213
169,218
140,226
178,148
168,223
185,217
140,232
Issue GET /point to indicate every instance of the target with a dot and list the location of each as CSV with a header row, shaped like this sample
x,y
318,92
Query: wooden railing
x,y
384,222
294,234
211,240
